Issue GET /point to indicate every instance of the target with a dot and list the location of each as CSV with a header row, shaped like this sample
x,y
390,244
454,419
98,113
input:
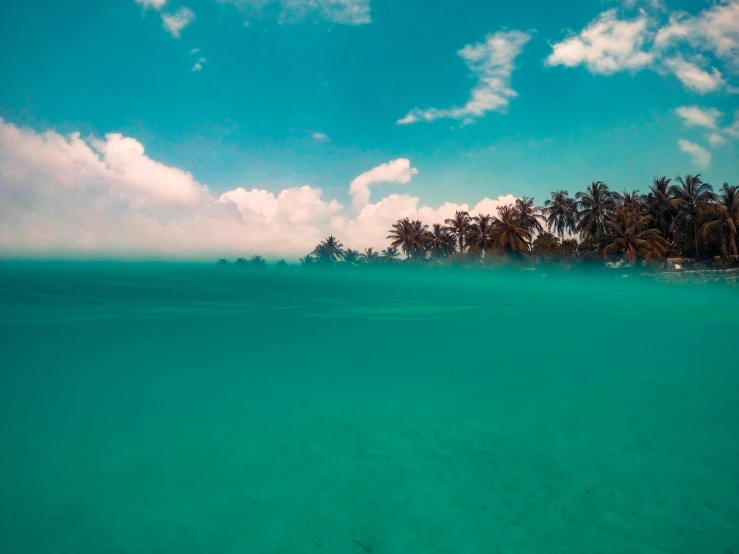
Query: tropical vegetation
x,y
681,218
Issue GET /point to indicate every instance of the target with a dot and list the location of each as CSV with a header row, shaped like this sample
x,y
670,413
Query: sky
x,y
202,128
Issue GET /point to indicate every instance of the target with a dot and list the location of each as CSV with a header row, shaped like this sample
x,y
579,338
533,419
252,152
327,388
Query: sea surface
x,y
151,408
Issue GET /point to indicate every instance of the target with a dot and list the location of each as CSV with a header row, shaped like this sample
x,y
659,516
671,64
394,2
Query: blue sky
x,y
293,93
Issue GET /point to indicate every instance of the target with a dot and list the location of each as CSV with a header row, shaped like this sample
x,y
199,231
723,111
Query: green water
x,y
182,409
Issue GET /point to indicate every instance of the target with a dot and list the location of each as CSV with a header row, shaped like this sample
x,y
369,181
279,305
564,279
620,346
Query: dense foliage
x,y
683,218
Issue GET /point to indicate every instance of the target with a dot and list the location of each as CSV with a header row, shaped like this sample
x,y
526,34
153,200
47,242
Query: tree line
x,y
683,218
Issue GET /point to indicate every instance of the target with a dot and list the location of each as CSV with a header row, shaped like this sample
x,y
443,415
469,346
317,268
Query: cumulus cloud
x,y
698,155
492,62
175,22
320,137
155,4
607,45
397,171
71,196
64,195
301,205
699,117
346,12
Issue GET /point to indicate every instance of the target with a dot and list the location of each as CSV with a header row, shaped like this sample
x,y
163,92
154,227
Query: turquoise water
x,y
149,408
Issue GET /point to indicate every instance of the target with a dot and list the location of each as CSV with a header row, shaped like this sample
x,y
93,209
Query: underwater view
x,y
161,408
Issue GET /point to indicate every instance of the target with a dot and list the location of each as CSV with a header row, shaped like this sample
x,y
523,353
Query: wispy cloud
x,y
319,137
710,119
198,65
652,4
699,117
346,12
733,130
715,30
693,77
175,22
155,4
492,62
698,155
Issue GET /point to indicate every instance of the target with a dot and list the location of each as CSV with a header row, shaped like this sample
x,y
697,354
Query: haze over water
x,y
174,408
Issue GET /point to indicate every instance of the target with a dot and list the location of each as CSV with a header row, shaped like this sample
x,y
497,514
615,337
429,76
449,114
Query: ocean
x,y
153,408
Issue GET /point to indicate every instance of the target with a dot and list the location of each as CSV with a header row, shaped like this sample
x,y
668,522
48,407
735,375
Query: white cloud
x,y
63,195
693,77
346,12
607,45
320,137
492,63
733,130
175,22
194,51
155,4
699,117
198,65
715,29
698,155
653,4
610,44
396,171
297,206
72,197
709,118
371,226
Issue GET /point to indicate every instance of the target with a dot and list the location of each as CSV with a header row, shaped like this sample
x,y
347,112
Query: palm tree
x,y
281,264
690,198
510,236
459,226
351,257
257,261
632,200
560,213
594,206
630,235
370,255
308,261
329,251
390,254
660,203
528,215
409,236
481,234
439,242
723,221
